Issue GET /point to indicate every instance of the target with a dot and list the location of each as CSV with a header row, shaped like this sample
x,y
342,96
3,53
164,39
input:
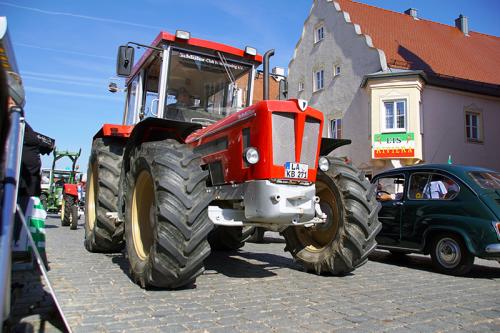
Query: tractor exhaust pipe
x,y
267,55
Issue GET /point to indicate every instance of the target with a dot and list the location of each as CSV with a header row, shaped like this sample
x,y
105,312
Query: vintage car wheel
x,y
450,255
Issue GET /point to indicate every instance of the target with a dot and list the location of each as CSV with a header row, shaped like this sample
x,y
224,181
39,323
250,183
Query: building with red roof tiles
x,y
406,90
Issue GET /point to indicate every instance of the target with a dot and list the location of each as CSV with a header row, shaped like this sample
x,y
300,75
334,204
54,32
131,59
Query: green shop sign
x,y
393,145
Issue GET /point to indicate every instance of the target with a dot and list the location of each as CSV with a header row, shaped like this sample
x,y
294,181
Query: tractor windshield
x,y
203,88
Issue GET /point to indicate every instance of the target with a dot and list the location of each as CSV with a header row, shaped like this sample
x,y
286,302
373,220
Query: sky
x,y
66,50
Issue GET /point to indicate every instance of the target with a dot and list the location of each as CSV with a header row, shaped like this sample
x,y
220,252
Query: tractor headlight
x,y
251,155
323,164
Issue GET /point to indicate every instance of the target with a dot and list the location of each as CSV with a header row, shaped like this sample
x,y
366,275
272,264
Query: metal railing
x,y
12,163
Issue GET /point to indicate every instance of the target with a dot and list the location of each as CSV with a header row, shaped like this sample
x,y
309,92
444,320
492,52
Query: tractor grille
x,y
283,138
310,142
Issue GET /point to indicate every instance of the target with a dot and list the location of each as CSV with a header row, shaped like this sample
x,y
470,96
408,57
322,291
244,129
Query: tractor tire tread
x,y
105,236
182,225
356,239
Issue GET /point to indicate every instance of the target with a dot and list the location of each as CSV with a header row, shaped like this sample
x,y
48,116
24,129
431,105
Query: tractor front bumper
x,y
265,201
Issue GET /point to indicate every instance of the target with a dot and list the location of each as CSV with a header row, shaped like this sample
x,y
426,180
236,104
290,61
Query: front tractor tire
x,y
68,216
65,212
166,219
102,233
344,242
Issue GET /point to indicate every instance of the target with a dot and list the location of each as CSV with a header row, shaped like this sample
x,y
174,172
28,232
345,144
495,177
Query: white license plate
x,y
296,170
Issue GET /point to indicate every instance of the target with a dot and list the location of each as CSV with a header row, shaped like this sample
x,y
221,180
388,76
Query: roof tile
x,y
430,46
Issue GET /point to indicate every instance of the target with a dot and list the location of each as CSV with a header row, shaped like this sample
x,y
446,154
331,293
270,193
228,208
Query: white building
x,y
405,90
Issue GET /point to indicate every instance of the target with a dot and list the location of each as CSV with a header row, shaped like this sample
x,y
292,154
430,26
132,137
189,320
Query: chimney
x,y
463,24
412,12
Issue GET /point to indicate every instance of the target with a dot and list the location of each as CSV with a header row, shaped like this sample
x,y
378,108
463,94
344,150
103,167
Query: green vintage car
x,y
451,212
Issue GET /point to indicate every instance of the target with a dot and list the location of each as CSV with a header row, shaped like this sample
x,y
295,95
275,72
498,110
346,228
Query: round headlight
x,y
251,155
323,164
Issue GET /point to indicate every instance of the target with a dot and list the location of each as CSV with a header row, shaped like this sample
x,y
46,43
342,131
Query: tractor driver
x,y
174,111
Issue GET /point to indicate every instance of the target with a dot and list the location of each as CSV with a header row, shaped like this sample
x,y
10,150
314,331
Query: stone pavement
x,y
261,289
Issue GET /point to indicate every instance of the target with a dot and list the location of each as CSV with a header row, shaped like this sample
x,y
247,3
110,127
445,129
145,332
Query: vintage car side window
x,y
390,187
432,186
487,180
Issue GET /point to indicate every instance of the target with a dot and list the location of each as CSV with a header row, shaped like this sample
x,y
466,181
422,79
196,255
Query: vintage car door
x,y
430,195
390,190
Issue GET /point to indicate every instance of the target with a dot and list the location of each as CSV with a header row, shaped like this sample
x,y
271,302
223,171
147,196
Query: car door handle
x,y
398,203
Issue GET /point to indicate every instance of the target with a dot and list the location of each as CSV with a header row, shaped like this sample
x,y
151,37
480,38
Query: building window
x,y
319,34
319,78
395,116
336,129
336,70
473,126
301,86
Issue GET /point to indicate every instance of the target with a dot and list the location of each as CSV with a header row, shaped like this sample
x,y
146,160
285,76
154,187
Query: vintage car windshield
x,y
203,88
487,180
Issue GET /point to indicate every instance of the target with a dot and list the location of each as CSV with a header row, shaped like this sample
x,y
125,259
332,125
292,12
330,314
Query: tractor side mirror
x,y
124,60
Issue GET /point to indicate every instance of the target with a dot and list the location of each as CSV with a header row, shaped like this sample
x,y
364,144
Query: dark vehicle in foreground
x,y
451,212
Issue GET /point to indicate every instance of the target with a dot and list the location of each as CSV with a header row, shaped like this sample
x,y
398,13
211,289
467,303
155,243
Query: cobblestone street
x,y
260,289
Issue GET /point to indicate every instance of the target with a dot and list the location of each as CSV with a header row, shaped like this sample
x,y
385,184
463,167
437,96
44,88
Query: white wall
x,y
342,45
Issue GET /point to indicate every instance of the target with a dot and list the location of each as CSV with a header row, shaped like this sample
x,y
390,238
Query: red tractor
x,y
193,167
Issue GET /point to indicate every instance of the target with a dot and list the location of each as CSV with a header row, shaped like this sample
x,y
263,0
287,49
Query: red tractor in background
x,y
194,167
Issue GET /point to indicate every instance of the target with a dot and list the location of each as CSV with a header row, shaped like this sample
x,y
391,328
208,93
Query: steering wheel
x,y
382,192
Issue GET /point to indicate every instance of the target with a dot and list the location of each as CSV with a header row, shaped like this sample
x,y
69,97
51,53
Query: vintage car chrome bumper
x,y
493,248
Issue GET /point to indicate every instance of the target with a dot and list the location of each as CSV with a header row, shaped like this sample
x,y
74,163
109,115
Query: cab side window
x,y
151,95
390,188
131,102
432,186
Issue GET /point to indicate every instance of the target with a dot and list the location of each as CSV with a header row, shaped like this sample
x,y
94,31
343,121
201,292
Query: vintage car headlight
x,y
323,164
251,155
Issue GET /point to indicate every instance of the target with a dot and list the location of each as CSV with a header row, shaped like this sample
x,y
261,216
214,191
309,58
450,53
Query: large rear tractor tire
x,y
103,233
344,242
257,235
224,238
166,219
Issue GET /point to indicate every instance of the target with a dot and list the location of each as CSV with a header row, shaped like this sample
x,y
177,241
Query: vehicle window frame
x,y
475,181
212,55
392,176
431,173
131,116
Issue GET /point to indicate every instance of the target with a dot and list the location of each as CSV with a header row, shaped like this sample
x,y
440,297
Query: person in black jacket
x,y
34,144
30,180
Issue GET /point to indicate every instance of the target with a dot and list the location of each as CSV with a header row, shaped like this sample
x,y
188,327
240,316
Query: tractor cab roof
x,y
195,44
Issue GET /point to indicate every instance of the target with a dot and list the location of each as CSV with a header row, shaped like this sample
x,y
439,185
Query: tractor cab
x,y
187,79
